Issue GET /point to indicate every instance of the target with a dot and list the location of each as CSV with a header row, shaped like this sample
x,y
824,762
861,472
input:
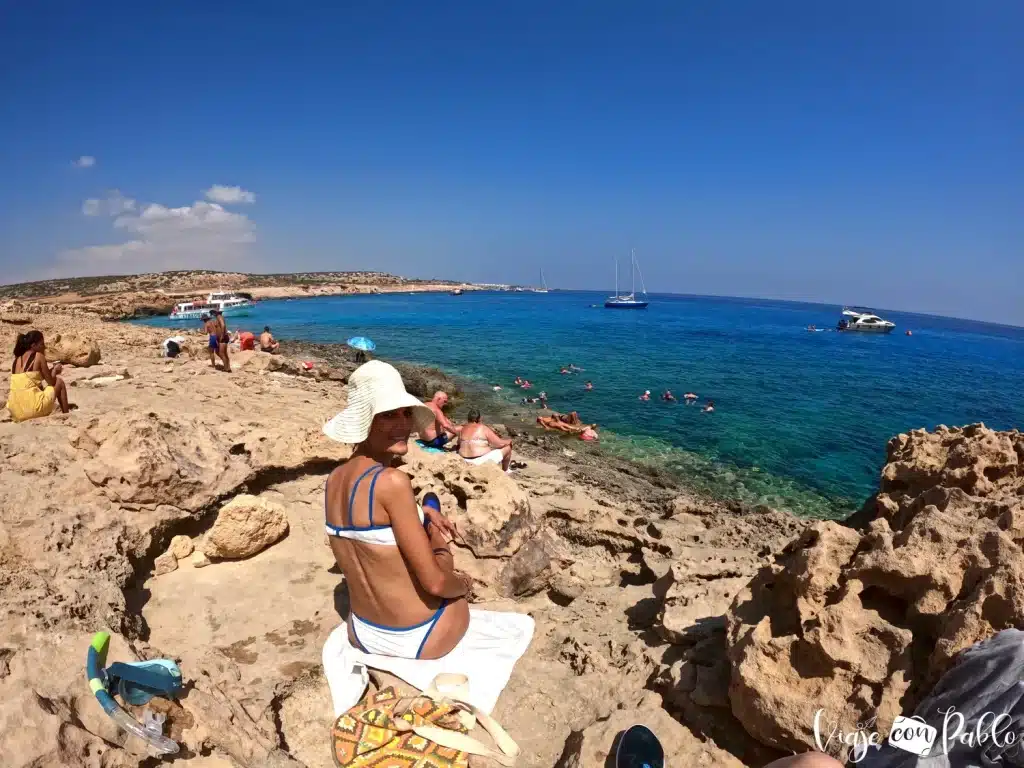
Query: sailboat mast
x,y
632,272
616,277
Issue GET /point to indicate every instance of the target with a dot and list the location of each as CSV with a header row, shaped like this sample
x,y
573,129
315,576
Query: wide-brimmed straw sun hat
x,y
374,387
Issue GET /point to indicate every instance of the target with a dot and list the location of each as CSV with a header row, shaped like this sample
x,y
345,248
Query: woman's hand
x,y
442,523
57,368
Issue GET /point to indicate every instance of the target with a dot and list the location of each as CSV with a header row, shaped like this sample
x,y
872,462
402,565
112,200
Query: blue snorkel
x,y
136,683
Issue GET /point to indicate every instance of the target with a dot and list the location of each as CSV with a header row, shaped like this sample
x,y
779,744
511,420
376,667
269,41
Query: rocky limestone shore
x,y
180,508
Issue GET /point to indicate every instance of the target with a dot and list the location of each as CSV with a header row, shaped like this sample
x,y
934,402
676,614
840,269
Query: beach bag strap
x,y
507,751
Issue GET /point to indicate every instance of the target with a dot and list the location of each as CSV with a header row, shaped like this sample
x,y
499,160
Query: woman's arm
x,y
493,440
40,365
394,489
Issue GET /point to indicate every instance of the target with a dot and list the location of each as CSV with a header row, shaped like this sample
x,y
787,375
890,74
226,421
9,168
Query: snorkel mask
x,y
136,683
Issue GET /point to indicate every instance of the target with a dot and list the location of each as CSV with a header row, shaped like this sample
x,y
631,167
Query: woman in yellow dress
x,y
35,387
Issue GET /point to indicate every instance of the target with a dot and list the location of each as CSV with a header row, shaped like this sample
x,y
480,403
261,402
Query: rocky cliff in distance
x,y
861,621
129,296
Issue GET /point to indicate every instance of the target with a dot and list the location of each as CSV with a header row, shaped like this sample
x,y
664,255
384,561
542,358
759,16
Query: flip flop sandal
x,y
639,748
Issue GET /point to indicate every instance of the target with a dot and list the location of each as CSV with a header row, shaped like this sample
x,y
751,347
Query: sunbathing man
x,y
478,443
441,430
406,598
267,342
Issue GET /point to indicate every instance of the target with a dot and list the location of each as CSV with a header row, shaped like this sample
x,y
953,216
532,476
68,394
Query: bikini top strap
x,y
373,484
352,494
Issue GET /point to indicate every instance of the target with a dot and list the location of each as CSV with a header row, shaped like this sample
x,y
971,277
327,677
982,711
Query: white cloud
x,y
85,161
199,236
218,193
114,205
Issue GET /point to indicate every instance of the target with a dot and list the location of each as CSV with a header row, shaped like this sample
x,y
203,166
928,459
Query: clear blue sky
x,y
866,152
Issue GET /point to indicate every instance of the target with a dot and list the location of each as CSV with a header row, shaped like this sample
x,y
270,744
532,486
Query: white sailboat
x,y
629,300
543,283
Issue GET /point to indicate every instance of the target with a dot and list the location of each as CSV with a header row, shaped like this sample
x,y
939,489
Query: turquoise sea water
x,y
801,418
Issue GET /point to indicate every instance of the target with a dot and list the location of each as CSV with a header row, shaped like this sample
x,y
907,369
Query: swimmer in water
x,y
710,407
519,380
646,395
589,386
564,371
668,397
690,398
525,385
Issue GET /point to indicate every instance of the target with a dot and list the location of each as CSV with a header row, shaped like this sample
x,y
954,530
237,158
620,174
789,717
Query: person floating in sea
x,y
267,341
710,407
442,430
565,372
496,388
909,333
519,381
35,386
646,395
526,384
690,398
589,386
668,397
812,328
574,368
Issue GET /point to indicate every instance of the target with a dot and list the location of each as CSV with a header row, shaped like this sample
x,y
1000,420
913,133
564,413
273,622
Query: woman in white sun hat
x,y
406,598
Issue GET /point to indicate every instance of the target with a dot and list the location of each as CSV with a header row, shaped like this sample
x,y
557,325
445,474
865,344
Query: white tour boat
x,y
864,321
231,304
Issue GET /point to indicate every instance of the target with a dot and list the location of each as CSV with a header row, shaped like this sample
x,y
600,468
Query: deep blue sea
x,y
801,418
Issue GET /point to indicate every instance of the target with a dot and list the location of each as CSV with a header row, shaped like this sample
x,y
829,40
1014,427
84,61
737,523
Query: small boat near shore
x,y
457,292
863,320
229,303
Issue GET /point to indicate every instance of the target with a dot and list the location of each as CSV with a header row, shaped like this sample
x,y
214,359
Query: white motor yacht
x,y
864,321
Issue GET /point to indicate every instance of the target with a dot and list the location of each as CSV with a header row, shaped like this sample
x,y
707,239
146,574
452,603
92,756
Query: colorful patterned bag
x,y
387,730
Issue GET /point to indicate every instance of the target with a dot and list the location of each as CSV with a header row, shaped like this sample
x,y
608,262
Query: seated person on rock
x,y
406,598
479,444
267,342
440,431
35,386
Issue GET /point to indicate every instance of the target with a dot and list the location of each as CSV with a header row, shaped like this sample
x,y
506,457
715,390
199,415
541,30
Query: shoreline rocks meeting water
x,y
181,509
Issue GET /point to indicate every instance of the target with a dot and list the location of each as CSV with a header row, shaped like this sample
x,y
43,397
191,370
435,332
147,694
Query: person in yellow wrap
x,y
35,386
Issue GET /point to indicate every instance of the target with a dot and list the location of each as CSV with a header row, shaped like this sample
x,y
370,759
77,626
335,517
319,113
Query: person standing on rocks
x,y
406,598
213,331
222,338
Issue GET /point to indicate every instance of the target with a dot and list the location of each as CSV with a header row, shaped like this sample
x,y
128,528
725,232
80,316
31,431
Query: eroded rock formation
x,y
860,622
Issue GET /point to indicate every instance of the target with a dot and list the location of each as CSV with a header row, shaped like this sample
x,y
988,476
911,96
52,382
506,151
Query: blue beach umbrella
x,y
361,342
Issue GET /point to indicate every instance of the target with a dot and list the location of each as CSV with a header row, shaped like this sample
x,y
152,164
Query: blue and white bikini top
x,y
368,534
